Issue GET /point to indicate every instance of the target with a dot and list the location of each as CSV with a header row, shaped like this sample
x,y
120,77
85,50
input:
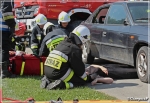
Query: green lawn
x,y
24,87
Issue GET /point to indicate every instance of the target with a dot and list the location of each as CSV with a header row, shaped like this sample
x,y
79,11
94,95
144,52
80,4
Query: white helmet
x,y
46,26
17,25
40,19
82,32
63,17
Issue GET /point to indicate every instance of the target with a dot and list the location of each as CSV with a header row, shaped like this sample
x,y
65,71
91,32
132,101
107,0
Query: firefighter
x,y
38,33
8,29
48,27
64,64
64,22
51,40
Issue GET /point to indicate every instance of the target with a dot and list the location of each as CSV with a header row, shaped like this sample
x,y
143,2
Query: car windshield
x,y
139,12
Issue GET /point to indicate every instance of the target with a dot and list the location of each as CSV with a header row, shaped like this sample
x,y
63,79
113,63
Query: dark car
x,y
119,33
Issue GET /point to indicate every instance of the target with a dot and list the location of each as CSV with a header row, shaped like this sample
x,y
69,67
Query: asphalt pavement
x,y
126,85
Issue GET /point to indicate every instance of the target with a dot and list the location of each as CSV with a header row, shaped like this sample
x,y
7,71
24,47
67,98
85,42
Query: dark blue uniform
x,y
7,27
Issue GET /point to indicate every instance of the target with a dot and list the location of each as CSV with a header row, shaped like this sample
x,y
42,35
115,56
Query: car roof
x,y
123,2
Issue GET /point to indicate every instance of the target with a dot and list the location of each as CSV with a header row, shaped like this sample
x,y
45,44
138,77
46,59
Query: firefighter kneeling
x,y
63,67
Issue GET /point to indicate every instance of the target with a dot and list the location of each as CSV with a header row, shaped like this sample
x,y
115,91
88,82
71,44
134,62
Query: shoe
x,y
54,85
5,72
44,82
9,76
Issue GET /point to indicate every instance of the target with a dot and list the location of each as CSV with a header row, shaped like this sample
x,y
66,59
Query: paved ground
x,y
126,83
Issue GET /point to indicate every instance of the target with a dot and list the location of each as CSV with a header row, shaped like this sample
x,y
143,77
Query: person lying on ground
x,y
98,74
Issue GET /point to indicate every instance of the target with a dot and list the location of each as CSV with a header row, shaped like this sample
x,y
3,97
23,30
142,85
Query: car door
x,y
95,31
114,45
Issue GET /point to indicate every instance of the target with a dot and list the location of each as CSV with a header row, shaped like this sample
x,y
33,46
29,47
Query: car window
x,y
139,12
100,12
116,15
100,17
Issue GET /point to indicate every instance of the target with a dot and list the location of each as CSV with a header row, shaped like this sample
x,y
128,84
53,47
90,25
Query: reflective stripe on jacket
x,y
3,25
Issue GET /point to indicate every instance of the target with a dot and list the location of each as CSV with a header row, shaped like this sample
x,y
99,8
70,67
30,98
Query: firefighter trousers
x,y
75,81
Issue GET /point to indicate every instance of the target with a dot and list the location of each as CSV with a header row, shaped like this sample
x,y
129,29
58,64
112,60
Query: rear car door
x,y
114,37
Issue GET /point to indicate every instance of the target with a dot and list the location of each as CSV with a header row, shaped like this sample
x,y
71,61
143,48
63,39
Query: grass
x,y
25,87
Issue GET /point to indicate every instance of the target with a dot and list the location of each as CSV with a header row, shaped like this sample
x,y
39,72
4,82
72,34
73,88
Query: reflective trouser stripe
x,y
41,65
34,46
22,68
16,47
13,39
68,85
84,76
69,74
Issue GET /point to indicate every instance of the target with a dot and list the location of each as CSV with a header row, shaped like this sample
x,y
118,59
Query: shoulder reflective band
x,y
84,76
41,65
22,68
54,41
34,46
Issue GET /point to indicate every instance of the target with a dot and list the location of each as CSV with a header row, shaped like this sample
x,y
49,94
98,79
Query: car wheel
x,y
142,64
86,56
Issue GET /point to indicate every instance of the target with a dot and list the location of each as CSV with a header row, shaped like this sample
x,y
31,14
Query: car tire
x,y
142,64
86,56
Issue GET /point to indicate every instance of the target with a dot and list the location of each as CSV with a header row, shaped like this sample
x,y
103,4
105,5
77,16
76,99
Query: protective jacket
x,y
51,40
65,63
7,21
36,39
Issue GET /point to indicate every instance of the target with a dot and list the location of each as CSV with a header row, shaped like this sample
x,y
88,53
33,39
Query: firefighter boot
x,y
44,82
5,72
56,84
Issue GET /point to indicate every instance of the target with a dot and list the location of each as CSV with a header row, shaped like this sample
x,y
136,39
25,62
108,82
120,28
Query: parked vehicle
x,y
119,33
22,29
79,10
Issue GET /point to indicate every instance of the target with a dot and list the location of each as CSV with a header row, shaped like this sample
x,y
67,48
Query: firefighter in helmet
x,y
51,40
64,22
48,27
64,64
38,33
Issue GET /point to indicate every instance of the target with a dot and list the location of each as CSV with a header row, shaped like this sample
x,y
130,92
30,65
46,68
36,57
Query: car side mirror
x,y
126,22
